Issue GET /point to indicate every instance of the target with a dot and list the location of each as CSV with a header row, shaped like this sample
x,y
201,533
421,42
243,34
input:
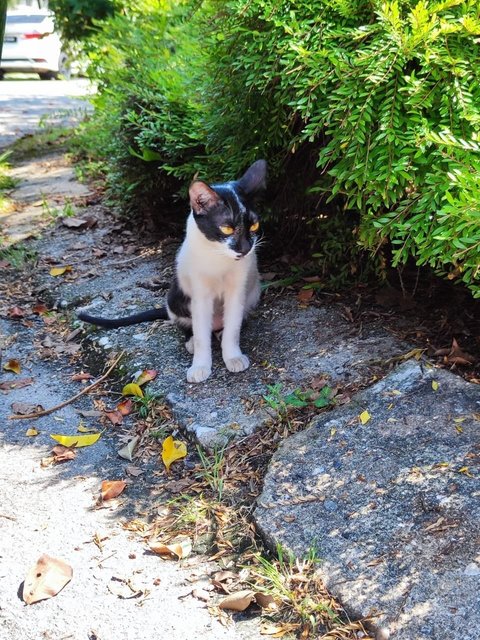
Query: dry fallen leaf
x,y
40,309
364,417
115,417
435,385
16,312
238,601
172,450
72,222
12,365
278,630
125,407
25,408
305,295
76,441
179,548
265,601
146,376
45,579
132,389
112,488
31,432
126,452
15,384
83,429
78,377
133,471
60,271
62,453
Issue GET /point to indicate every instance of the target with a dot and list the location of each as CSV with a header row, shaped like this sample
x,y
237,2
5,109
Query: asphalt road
x,y
26,104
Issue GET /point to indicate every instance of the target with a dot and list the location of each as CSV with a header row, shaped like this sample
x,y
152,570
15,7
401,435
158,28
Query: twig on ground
x,y
45,412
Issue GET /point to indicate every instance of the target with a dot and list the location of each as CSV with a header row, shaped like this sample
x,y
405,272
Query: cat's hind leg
x,y
189,343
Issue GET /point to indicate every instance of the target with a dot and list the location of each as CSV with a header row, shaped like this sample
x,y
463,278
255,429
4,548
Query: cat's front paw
x,y
238,363
198,373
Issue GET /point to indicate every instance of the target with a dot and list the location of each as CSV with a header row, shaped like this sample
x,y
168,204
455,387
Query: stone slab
x,y
392,506
287,345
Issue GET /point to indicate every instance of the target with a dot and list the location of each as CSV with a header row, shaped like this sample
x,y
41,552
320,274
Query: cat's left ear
x,y
254,179
202,197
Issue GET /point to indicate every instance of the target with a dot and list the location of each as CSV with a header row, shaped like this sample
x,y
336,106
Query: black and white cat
x,y
216,282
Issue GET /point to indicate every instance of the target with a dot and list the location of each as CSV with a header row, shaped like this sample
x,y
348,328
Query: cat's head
x,y
224,212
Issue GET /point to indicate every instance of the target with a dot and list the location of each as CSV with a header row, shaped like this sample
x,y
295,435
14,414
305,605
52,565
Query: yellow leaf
x,y
132,389
83,429
31,432
435,385
146,376
466,471
60,271
172,450
76,441
12,365
364,417
459,428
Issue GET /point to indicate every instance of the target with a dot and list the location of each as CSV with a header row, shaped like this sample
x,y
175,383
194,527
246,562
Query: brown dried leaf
x,y
178,486
115,417
16,312
62,453
278,630
71,222
45,579
178,549
40,309
238,601
265,601
146,376
112,488
125,407
24,408
13,365
305,295
15,384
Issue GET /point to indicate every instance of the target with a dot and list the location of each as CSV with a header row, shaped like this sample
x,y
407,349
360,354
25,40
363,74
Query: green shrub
x,y
373,107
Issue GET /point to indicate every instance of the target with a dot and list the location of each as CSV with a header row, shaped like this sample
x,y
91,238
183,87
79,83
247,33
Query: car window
x,y
22,19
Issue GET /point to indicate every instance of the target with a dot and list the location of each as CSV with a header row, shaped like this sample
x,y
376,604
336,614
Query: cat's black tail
x,y
114,323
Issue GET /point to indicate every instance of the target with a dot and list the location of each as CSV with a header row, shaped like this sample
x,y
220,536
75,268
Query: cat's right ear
x,y
202,197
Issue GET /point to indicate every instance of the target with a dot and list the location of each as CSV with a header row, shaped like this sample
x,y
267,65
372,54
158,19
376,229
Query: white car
x,y
31,45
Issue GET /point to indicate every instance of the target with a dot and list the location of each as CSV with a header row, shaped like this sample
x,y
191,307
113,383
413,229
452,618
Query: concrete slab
x,y
391,505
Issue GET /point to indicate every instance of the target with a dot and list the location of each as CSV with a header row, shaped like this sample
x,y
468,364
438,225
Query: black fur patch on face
x,y
231,208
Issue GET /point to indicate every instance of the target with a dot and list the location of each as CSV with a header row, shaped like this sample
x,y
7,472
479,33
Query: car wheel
x,y
47,75
64,67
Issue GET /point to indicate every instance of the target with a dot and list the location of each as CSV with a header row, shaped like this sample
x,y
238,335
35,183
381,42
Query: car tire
x,y
47,75
2,75
64,67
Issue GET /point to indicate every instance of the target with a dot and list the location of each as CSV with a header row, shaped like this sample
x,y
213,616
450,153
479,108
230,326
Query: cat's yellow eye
x,y
227,230
254,226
